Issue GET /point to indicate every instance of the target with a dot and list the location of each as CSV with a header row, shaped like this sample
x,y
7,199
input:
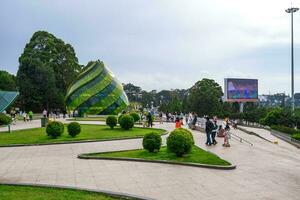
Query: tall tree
x,y
205,98
47,67
7,81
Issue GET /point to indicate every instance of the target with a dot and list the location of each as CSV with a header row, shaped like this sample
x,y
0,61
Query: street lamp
x,y
291,11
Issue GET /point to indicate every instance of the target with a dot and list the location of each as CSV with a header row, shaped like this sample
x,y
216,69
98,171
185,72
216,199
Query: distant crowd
x,y
212,126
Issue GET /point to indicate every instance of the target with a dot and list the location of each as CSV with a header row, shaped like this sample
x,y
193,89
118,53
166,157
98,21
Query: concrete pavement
x,y
264,171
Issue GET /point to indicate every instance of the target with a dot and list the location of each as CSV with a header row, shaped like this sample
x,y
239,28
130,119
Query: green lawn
x,y
102,119
197,155
43,193
88,132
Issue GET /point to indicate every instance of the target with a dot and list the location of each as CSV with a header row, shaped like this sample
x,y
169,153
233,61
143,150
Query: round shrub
x,y
179,142
74,129
136,116
111,121
152,142
55,129
189,133
126,122
4,119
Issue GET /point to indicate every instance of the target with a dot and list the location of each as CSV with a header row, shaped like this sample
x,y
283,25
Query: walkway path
x,y
264,171
22,125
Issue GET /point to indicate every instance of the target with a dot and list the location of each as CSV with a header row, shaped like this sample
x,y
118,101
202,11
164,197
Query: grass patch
x,y
197,155
46,193
88,132
102,119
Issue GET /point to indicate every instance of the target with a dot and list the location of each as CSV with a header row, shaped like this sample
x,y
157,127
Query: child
x,y
227,136
177,123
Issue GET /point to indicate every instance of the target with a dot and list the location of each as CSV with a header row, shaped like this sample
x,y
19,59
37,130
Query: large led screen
x,y
241,89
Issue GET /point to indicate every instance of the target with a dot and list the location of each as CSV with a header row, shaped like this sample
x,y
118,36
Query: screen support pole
x,y
241,107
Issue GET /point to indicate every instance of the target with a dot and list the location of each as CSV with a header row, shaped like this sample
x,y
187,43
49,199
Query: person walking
x,y
194,122
44,113
149,118
208,129
161,118
177,123
13,116
24,116
30,113
214,131
227,133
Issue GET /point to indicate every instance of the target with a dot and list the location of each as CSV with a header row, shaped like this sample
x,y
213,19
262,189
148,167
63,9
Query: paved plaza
x,y
264,171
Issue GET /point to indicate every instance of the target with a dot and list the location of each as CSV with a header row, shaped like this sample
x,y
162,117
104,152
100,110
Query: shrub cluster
x,y
74,129
278,116
136,116
152,141
55,129
111,121
126,122
179,142
296,136
4,119
285,129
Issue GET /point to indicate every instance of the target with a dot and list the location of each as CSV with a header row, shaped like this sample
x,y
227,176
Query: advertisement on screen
x,y
241,90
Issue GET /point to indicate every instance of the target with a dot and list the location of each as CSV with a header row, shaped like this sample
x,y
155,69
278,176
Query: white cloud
x,y
163,44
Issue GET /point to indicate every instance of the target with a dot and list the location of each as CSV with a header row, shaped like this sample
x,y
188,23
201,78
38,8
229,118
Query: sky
x,y
164,44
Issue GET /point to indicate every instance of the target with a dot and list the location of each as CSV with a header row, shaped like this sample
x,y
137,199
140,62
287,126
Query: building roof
x,y
7,98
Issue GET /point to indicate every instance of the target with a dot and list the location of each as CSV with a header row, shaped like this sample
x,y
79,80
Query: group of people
x,y
212,129
147,119
26,116
191,120
56,113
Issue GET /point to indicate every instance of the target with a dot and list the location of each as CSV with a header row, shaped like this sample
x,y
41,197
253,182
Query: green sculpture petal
x,y
96,91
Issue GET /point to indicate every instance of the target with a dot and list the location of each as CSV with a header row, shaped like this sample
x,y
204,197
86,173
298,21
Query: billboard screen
x,y
241,90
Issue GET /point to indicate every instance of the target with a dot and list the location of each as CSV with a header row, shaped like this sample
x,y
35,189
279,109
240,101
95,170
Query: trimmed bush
x,y
285,129
111,121
189,133
152,142
74,129
126,122
4,119
296,136
55,129
179,142
136,116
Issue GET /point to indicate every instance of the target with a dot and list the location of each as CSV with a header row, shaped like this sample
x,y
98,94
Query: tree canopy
x,y
7,81
205,98
46,68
